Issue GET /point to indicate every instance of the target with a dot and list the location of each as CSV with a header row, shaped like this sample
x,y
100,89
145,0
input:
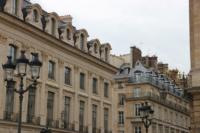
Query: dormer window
x,y
14,6
68,34
53,26
35,16
106,54
82,39
95,48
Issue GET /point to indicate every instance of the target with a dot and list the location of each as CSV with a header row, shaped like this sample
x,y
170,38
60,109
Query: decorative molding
x,y
3,39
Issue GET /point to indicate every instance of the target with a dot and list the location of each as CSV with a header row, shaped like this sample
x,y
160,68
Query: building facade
x,y
75,89
195,65
138,85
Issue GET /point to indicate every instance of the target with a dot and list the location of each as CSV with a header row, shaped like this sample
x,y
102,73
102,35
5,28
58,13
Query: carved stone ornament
x,y
3,39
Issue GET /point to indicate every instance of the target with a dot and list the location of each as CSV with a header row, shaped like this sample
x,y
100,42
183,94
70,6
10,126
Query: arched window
x,y
95,48
35,16
106,54
68,34
82,39
14,6
53,26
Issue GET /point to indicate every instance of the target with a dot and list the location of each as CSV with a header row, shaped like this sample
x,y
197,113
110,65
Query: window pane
x,y
13,52
50,105
31,105
106,117
67,76
94,86
66,112
94,117
9,103
51,70
81,115
106,86
82,81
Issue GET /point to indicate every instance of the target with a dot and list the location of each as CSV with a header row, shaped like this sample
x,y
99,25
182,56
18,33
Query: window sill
x,y
68,85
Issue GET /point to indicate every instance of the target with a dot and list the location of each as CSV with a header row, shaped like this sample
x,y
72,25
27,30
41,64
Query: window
x,y
106,86
137,112
121,100
94,117
160,129
35,16
95,48
50,105
94,86
9,102
68,34
106,54
138,130
121,117
13,52
67,75
53,26
51,72
66,112
106,120
82,81
137,92
31,104
14,7
82,39
81,115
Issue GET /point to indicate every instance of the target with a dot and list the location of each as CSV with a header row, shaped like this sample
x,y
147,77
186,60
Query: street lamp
x,y
146,115
21,67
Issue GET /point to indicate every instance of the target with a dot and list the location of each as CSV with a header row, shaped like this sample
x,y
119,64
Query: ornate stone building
x,y
195,63
75,90
138,85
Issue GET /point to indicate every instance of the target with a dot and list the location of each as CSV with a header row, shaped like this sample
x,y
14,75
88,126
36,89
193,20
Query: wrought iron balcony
x,y
96,130
68,126
10,116
155,81
157,99
83,129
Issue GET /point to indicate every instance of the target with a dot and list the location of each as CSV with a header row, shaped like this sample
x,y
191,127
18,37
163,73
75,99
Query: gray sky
x,y
157,27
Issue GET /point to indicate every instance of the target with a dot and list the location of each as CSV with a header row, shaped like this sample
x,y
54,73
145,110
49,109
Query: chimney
x,y
136,55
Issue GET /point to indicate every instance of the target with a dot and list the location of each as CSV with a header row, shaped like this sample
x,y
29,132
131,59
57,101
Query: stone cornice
x,y
37,33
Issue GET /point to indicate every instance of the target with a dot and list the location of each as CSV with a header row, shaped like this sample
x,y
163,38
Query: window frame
x,y
51,70
82,81
68,76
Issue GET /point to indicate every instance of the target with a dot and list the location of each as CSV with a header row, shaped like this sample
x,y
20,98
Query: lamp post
x,y
146,115
21,67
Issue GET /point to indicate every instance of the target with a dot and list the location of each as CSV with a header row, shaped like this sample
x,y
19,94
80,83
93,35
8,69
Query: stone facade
x,y
195,64
139,85
62,48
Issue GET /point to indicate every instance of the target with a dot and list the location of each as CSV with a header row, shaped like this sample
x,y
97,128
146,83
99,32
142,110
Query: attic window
x,y
53,26
68,34
82,39
95,48
35,16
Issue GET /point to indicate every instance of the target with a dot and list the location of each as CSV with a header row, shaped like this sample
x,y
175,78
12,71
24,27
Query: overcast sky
x,y
157,27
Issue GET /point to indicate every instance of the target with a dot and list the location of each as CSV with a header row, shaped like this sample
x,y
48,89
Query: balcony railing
x,y
107,131
83,129
68,126
96,130
53,123
10,116
158,99
32,119
162,84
